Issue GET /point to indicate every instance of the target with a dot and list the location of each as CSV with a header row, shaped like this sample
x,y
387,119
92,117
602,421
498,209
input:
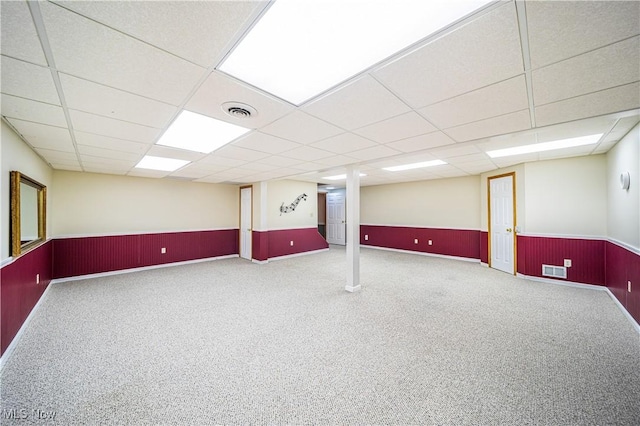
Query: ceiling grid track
x,y
526,56
36,15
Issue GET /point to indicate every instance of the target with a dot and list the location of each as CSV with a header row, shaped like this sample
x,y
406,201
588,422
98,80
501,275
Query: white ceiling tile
x,y
279,161
462,155
58,156
118,129
263,142
206,168
215,160
400,127
107,153
341,144
192,172
358,104
373,153
201,34
604,147
621,98
99,141
503,124
116,164
258,166
310,167
28,110
302,128
580,25
307,153
178,154
236,152
147,173
98,53
491,101
219,89
97,99
421,142
567,152
607,67
454,151
19,37
106,169
28,81
622,127
476,167
480,53
515,159
43,136
68,167
337,160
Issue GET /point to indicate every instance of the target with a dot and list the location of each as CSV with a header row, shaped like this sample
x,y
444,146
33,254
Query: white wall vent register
x,y
554,271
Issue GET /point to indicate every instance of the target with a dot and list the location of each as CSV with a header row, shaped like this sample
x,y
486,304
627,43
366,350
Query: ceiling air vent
x,y
239,110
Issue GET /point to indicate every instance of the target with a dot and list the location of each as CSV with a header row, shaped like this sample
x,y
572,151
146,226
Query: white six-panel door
x,y
245,223
336,216
502,224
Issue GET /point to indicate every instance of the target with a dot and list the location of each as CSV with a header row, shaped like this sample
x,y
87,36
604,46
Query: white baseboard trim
x,y
14,342
444,256
563,282
260,262
352,289
486,265
142,268
626,313
289,256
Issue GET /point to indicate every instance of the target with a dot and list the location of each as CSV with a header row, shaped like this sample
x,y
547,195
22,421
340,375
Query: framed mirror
x,y
28,213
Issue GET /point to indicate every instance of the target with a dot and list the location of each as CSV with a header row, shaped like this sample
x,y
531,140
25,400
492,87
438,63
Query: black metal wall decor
x,y
291,207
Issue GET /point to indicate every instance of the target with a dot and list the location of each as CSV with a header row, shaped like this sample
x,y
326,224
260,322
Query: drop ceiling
x,y
91,86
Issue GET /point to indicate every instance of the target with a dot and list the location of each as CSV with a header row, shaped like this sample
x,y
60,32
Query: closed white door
x,y
336,215
245,223
502,224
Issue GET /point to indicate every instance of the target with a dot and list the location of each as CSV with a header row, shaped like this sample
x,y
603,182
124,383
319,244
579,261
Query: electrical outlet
x,y
163,250
629,286
291,243
567,263
430,242
366,237
38,280
415,241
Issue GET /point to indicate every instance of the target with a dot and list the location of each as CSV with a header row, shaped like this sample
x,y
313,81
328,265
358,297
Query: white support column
x,y
353,229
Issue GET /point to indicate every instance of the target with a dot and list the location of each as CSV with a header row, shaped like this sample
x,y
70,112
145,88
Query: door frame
x,y
515,234
240,221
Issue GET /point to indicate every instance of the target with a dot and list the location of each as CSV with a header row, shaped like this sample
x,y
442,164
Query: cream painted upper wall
x,y
286,191
521,213
623,219
17,155
443,203
97,204
567,196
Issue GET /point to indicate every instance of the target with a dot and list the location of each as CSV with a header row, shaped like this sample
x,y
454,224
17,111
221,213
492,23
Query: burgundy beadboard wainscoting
x,y
19,291
275,243
448,242
587,257
623,265
89,255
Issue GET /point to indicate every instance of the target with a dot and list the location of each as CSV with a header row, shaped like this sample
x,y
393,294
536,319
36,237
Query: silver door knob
x,y
509,229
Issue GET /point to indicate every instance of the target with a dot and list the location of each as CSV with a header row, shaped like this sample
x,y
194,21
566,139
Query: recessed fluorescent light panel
x,y
196,132
339,177
545,146
299,49
415,166
161,163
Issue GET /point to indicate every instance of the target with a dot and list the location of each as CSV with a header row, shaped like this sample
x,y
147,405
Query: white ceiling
x,y
91,86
